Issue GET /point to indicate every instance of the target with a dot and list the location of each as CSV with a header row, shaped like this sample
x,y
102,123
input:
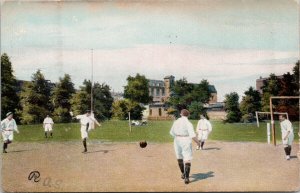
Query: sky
x,y
230,43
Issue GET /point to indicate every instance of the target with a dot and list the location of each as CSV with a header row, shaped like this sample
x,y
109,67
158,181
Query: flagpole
x,y
92,80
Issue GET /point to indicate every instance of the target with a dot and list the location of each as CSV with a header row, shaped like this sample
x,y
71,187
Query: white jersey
x,y
182,127
286,126
8,127
48,120
183,132
204,125
84,121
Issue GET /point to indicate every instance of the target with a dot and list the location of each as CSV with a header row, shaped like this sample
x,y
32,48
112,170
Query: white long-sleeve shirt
x,y
204,125
9,125
183,127
286,126
48,120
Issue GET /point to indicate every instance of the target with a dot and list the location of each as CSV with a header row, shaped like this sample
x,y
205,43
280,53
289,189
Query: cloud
x,y
228,70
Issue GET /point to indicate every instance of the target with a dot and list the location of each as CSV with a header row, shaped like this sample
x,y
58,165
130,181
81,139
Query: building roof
x,y
212,89
159,83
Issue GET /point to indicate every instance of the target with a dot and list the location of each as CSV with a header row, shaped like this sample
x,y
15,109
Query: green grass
x,y
155,131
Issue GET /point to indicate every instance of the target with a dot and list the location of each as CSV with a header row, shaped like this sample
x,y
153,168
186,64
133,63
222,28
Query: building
x,y
160,90
260,83
117,95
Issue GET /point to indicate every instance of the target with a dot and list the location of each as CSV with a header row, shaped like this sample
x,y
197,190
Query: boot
x,y
181,166
202,144
84,145
187,173
4,147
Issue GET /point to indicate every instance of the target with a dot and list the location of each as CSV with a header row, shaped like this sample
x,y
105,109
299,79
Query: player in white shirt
x,y
287,135
8,126
87,121
183,133
203,130
48,126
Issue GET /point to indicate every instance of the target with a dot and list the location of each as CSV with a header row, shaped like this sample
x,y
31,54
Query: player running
x,y
86,121
48,126
183,133
203,130
8,126
287,135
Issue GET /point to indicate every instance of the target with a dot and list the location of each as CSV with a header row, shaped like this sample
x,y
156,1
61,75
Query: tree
x,y
296,77
35,99
9,97
250,103
189,96
61,97
121,108
232,107
271,87
102,100
137,89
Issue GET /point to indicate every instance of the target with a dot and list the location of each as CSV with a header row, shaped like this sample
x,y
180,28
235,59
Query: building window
x,y
152,91
159,111
157,92
163,92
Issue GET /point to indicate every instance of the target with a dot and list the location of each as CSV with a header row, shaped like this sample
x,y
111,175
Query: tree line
x,y
286,85
38,98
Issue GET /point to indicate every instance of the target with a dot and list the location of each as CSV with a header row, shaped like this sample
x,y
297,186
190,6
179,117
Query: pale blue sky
x,y
228,42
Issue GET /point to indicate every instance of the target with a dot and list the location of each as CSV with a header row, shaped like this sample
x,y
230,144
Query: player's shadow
x,y
293,156
98,151
21,150
201,176
212,148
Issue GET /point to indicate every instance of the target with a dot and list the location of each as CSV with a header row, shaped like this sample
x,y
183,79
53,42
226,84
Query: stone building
x,y
160,90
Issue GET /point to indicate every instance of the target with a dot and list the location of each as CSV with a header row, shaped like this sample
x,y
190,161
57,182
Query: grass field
x,y
155,131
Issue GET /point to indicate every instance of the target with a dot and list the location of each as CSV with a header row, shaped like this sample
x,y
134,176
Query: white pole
x,y
92,80
129,121
268,133
257,121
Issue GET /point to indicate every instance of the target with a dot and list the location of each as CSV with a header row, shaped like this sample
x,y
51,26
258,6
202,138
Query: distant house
x,y
160,90
117,95
260,83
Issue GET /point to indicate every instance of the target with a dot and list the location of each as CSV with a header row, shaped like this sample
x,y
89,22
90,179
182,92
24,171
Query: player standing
x,y
8,126
203,130
48,125
183,133
86,121
287,135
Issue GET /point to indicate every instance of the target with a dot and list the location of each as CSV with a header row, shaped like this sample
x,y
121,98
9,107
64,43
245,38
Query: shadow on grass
x,y
201,176
97,151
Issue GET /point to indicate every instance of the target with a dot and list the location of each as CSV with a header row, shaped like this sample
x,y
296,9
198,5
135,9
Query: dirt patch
x,y
222,166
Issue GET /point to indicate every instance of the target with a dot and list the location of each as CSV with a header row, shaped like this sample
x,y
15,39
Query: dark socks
x,y
286,149
46,134
4,146
289,150
202,144
84,144
51,134
187,169
181,166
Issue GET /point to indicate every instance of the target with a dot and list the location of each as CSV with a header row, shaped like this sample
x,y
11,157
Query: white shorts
x,y
84,132
48,127
183,148
8,135
203,135
289,140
